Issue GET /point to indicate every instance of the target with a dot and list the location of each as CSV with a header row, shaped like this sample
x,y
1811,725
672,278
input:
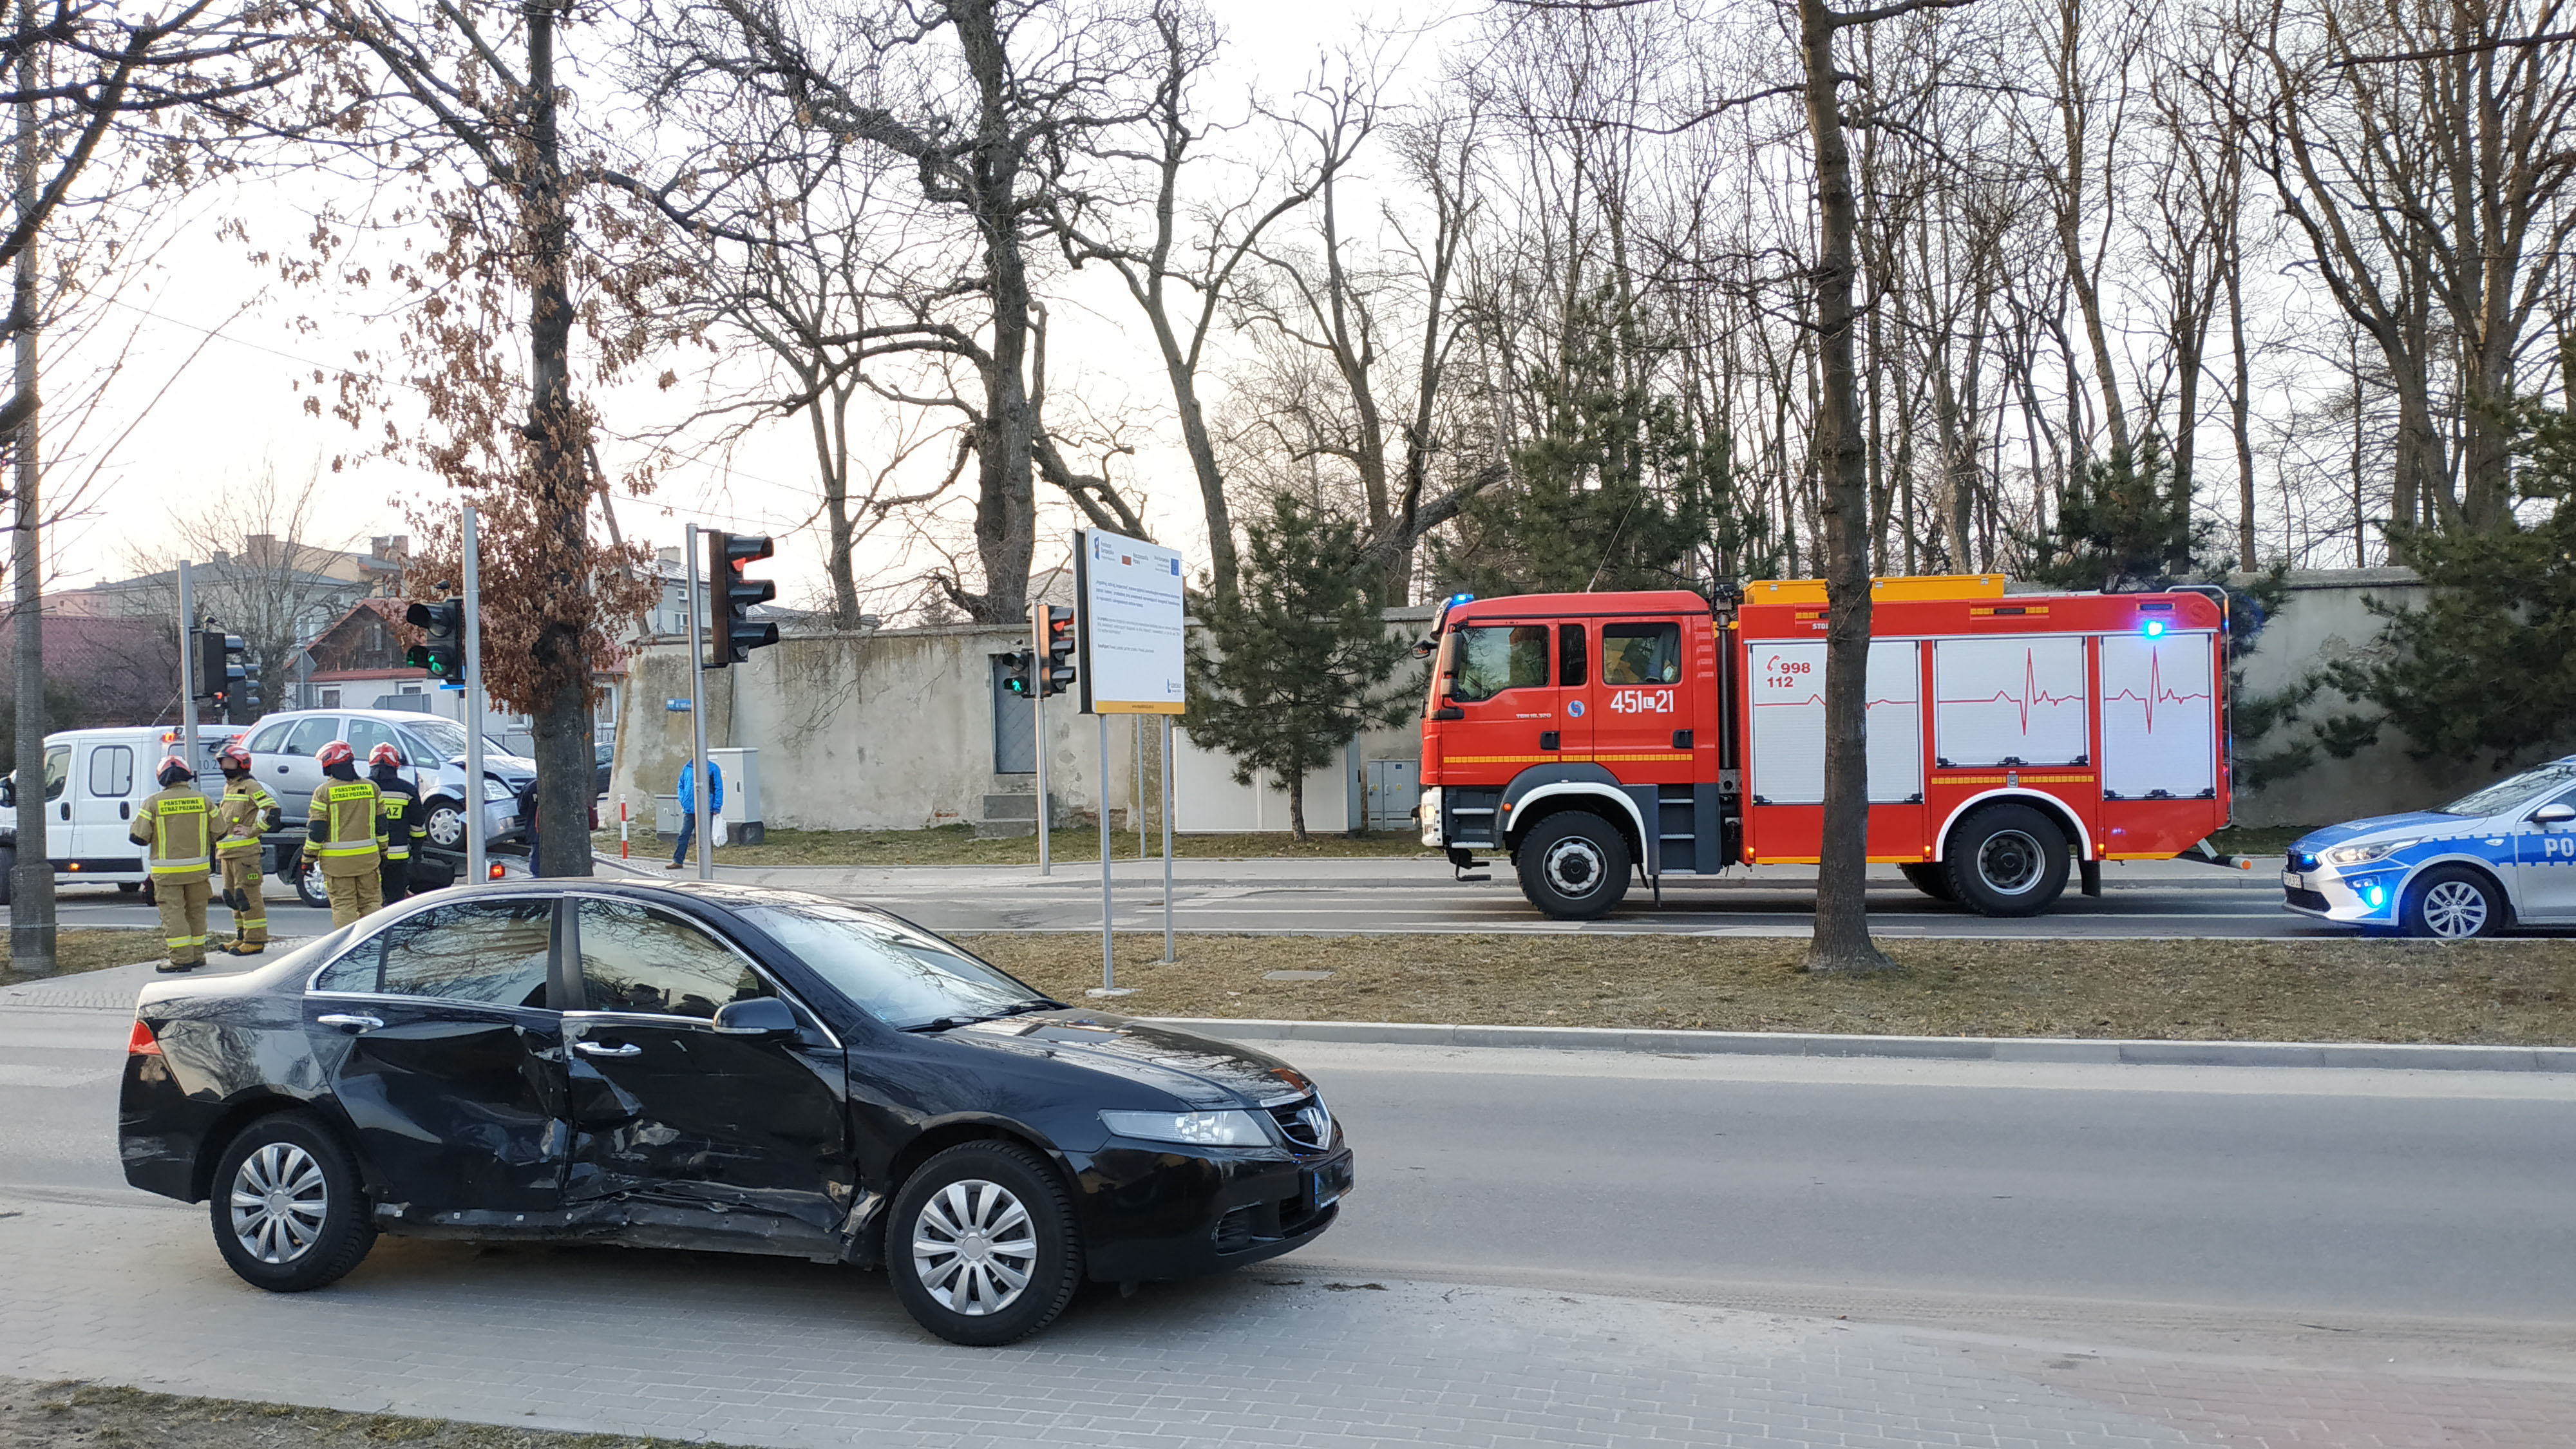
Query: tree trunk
x,y
31,898
1006,506
566,764
1297,806
1842,941
2240,407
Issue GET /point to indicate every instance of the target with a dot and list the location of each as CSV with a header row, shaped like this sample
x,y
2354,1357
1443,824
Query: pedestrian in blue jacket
x,y
689,805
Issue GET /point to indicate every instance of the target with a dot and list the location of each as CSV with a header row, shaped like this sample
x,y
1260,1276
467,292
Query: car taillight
x,y
494,873
142,1043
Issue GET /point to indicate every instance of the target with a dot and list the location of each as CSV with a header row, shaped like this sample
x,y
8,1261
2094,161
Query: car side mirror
x,y
761,1016
2554,813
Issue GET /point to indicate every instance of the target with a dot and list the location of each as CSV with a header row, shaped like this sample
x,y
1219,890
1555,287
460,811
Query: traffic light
x,y
1055,646
233,682
736,634
210,677
1016,675
441,650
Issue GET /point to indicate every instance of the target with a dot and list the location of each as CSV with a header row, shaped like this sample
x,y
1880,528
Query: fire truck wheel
x,y
2007,860
1930,877
1574,865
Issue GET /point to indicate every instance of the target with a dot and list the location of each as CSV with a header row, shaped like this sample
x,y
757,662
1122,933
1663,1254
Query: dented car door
x,y
686,1130
439,1042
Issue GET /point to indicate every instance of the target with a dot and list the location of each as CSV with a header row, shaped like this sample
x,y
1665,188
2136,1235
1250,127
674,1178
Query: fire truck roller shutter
x,y
1527,797
2009,700
1788,709
2159,718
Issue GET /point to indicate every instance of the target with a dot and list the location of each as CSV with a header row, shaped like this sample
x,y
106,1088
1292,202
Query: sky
x,y
208,398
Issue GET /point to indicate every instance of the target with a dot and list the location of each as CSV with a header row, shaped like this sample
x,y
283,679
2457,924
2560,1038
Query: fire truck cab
x,y
2014,739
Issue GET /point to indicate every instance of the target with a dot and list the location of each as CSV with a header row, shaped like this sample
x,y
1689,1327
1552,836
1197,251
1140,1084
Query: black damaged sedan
x,y
717,1068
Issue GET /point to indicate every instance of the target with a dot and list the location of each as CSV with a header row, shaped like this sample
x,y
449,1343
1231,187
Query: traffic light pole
x,y
476,872
1037,725
1108,962
698,714
187,670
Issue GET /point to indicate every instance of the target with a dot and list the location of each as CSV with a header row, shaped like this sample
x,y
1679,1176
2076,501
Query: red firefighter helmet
x,y
173,770
335,753
233,756
384,754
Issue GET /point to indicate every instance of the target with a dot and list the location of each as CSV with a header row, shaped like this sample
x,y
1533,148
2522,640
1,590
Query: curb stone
x,y
2383,1056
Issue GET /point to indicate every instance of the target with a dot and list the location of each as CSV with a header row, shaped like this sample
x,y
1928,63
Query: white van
x,y
94,782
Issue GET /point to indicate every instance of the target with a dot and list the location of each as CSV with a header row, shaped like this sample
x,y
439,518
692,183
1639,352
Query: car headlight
x,y
496,790
2364,854
1197,1129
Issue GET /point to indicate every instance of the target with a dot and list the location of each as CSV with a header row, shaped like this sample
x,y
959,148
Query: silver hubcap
x,y
2010,862
279,1203
1574,867
974,1247
2455,908
446,827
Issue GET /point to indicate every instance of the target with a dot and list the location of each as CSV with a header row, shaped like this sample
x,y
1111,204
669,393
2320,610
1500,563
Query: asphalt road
x,y
1869,1187
2156,899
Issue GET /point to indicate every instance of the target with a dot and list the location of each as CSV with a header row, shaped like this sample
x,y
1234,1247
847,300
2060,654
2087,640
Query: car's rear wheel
x,y
288,1215
982,1245
1930,877
1574,865
2454,903
310,887
2007,860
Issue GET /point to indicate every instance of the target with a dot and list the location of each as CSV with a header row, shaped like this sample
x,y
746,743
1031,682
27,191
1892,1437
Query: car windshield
x,y
2505,794
446,737
898,973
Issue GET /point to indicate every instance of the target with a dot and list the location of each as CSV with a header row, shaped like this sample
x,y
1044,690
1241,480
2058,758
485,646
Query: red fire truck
x,y
2013,737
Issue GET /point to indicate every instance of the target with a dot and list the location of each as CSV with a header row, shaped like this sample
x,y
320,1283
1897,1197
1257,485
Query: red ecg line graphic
x,y
2156,690
1816,699
2031,696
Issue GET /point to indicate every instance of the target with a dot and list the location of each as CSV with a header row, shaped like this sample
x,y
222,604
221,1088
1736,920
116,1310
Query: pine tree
x,y
2488,665
1618,492
1286,669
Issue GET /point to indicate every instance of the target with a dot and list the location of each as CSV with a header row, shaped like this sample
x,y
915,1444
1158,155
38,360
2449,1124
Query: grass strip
x,y
95,949
957,845
2520,993
55,1414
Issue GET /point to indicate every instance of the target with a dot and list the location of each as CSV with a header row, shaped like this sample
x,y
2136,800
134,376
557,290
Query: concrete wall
x,y
882,730
2326,619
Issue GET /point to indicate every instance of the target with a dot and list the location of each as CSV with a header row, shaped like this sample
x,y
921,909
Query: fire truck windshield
x,y
1488,659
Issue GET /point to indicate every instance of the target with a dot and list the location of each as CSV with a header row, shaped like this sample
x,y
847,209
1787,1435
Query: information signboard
x,y
1129,624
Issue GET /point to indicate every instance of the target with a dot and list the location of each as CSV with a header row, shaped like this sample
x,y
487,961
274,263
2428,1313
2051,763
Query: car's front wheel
x,y
311,889
287,1212
2454,903
982,1246
445,822
1574,865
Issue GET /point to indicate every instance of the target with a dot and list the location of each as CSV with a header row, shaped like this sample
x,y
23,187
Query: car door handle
x,y
603,1049
124,810
353,1023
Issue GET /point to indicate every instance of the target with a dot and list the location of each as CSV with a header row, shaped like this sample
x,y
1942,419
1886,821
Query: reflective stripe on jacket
x,y
244,814
343,828
403,829
174,822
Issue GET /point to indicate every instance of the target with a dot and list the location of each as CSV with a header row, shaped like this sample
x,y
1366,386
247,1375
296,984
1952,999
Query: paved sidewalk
x,y
765,1352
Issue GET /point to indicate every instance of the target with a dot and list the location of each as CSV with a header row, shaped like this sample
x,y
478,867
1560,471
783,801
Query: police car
x,y
2486,861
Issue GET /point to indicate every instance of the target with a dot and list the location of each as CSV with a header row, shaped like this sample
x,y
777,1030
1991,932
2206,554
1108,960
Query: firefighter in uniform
x,y
398,800
344,831
177,825
246,813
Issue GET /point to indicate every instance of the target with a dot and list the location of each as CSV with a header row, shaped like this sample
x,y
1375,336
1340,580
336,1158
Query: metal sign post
x,y
1128,596
698,714
1108,964
187,671
1167,839
476,869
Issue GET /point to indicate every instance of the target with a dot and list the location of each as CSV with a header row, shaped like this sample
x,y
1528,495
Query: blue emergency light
x,y
1456,599
2155,628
